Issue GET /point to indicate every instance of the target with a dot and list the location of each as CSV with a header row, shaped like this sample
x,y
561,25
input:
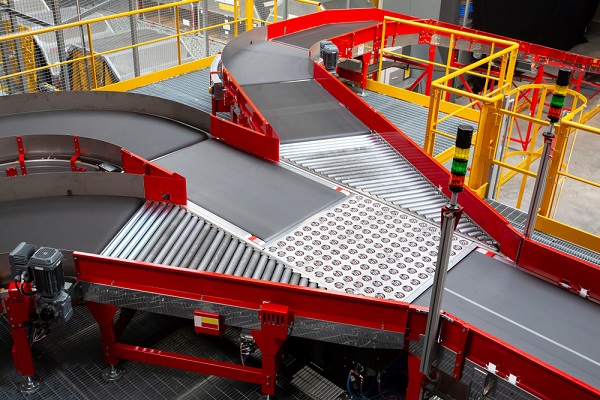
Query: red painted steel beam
x,y
188,363
246,139
477,346
159,184
562,269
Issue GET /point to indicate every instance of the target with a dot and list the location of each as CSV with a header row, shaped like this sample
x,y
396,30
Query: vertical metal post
x,y
134,37
249,15
204,26
178,30
275,10
439,282
83,46
540,184
14,27
451,214
466,16
494,178
286,11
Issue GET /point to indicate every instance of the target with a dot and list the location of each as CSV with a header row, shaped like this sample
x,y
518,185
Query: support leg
x,y
415,378
18,310
104,315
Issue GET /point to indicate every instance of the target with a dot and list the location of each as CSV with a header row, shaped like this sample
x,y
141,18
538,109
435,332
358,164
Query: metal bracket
x,y
21,155
11,171
460,352
76,156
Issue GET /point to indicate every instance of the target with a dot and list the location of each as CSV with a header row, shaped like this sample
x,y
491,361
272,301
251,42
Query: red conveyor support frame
x,y
290,301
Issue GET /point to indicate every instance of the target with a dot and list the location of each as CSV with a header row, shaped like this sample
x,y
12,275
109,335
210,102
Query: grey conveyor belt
x,y
277,77
165,234
84,223
141,134
258,196
366,163
543,320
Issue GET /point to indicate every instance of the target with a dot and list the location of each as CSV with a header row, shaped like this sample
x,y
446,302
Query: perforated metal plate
x,y
366,247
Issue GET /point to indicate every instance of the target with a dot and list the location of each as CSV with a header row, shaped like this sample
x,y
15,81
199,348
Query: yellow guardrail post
x,y
249,14
556,162
236,13
432,121
93,58
274,10
178,30
485,143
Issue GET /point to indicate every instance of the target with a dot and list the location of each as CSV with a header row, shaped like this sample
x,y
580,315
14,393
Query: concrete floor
x,y
578,202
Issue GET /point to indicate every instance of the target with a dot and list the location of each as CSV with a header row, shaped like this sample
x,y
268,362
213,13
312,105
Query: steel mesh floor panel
x,y
365,247
518,218
70,363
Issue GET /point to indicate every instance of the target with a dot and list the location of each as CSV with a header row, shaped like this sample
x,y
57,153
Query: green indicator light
x,y
557,101
459,167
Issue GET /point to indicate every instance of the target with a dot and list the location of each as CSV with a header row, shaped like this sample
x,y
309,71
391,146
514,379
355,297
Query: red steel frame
x,y
287,302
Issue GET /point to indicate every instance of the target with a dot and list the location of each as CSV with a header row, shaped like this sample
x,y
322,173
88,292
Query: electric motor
x,y
46,266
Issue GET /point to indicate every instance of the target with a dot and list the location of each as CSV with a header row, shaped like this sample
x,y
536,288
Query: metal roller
x,y
269,270
303,281
214,246
287,275
118,239
187,246
237,255
260,268
223,261
206,244
295,279
181,239
174,236
254,261
278,273
165,235
134,230
249,254
156,223
144,254
218,256
150,219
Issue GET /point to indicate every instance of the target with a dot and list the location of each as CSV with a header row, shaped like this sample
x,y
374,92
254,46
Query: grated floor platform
x,y
70,363
517,219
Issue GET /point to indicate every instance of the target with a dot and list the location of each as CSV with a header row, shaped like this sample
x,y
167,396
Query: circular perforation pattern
x,y
365,247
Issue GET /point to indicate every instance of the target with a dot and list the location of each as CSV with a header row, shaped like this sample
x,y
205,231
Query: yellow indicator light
x,y
461,154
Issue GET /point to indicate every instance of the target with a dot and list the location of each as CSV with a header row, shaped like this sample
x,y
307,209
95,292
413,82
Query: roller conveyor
x,y
367,164
166,234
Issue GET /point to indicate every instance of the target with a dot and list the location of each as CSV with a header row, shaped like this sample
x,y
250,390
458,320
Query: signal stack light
x,y
451,214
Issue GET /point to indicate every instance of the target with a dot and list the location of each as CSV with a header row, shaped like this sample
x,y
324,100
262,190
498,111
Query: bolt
x,y
455,376
20,325
11,318
457,364
464,330
459,352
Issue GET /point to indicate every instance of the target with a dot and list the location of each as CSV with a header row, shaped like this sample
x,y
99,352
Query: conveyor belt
x,y
366,163
517,219
166,234
541,319
143,135
258,196
84,223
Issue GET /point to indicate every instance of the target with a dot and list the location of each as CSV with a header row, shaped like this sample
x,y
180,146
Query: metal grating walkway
x,y
190,89
368,164
411,119
70,364
517,219
166,234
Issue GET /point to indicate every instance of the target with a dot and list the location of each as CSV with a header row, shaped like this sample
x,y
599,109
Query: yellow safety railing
x,y
94,58
316,4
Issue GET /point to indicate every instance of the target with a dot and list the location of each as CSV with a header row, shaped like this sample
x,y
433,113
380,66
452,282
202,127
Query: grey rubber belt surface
x,y
258,196
267,62
305,39
147,136
545,321
84,223
303,110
